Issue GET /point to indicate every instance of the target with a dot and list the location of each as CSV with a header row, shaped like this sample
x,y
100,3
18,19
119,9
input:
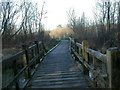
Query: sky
x,y
56,10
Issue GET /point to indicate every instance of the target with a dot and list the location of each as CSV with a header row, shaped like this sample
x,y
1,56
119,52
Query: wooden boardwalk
x,y
58,70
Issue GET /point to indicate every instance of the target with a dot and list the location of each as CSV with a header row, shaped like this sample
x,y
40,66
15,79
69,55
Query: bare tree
x,y
8,13
72,19
40,30
21,22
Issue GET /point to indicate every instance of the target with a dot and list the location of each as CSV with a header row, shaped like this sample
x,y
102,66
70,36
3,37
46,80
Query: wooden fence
x,y
103,69
21,66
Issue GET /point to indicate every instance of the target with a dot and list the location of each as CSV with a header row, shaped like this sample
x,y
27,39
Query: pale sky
x,y
56,10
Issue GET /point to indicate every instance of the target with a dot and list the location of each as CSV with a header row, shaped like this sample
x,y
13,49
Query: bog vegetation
x,y
21,23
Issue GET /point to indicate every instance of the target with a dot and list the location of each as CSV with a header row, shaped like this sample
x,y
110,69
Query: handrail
x,y
97,54
39,43
28,63
11,58
93,61
79,45
33,46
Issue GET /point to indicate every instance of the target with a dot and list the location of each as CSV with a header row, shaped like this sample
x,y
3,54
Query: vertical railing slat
x,y
15,73
94,71
38,52
26,60
85,56
113,67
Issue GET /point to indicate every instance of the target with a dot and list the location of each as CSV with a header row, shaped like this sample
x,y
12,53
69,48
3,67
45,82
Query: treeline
x,y
61,32
21,22
103,31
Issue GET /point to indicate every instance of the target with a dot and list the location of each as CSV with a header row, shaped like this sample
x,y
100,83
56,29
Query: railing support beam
x,y
113,67
38,52
85,56
26,61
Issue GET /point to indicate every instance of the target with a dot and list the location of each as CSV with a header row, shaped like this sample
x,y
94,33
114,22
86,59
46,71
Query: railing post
x,y
94,70
75,49
85,56
26,61
75,45
44,49
38,52
118,39
113,67
70,45
94,63
15,72
79,50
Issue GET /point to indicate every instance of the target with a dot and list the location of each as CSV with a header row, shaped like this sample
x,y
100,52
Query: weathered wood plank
x,y
58,70
97,55
113,67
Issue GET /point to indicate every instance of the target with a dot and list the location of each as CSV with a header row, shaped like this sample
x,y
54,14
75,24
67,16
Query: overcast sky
x,y
57,10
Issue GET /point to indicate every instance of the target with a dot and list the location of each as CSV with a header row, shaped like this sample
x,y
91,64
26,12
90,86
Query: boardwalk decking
x,y
58,70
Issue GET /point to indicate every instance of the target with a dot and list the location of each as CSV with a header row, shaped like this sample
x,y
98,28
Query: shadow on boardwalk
x,y
58,70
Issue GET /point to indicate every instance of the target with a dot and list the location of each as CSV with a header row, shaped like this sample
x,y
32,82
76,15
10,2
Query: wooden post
x,y
38,52
113,67
44,49
26,61
94,70
15,73
75,45
70,45
94,63
85,56
75,50
79,51
118,39
32,53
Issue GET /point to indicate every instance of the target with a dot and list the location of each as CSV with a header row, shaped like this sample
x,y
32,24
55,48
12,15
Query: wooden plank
x,y
113,67
10,59
79,45
56,68
81,60
97,55
85,56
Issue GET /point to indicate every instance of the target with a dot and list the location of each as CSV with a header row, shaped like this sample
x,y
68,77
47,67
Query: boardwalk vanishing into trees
x,y
58,70
67,65
87,54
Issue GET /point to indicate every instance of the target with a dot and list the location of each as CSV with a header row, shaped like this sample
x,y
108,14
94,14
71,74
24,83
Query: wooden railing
x,y
21,66
102,69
